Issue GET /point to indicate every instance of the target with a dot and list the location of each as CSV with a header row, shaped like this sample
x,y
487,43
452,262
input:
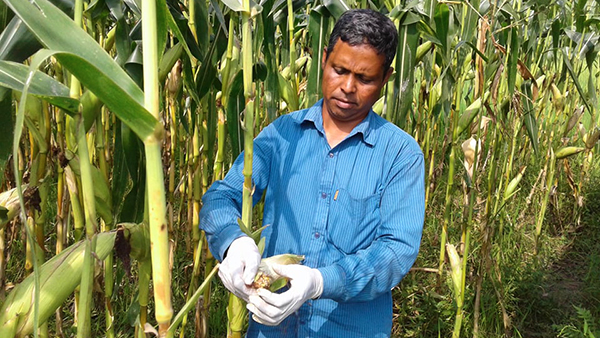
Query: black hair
x,y
366,26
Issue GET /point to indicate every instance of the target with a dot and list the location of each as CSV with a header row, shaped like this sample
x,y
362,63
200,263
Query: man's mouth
x,y
344,104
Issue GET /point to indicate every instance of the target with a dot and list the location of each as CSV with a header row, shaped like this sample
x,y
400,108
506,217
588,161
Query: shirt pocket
x,y
353,221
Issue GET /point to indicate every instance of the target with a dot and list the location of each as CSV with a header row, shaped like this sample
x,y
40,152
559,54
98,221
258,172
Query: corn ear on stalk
x,y
267,278
58,278
573,119
9,205
237,319
511,189
455,265
591,140
568,151
557,99
468,115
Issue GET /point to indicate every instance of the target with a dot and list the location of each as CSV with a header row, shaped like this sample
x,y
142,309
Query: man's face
x,y
352,81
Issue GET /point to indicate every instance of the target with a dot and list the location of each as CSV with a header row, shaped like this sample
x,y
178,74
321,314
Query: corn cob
x,y
267,278
58,278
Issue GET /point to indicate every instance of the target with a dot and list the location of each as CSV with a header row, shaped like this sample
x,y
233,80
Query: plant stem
x,y
159,235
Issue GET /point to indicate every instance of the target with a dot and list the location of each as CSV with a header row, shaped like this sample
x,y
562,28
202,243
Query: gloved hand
x,y
239,267
272,308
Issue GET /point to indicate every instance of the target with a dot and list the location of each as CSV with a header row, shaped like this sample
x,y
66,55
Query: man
x,y
344,188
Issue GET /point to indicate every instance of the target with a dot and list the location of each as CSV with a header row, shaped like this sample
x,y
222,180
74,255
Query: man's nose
x,y
349,84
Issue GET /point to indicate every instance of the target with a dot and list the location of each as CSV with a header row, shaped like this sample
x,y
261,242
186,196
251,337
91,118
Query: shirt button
x,y
331,155
323,195
317,235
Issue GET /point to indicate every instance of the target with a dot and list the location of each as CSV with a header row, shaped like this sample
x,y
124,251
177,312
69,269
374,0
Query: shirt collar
x,y
314,115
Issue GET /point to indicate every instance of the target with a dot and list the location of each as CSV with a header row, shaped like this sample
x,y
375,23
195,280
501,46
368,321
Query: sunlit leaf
x,y
318,28
13,75
96,70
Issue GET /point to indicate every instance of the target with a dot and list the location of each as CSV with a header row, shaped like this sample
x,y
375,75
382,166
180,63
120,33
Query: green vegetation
x,y
117,116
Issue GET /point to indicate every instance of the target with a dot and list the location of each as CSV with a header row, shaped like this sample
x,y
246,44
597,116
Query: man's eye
x,y
339,71
364,80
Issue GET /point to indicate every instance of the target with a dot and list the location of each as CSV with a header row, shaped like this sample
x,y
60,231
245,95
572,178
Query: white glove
x,y
239,267
272,308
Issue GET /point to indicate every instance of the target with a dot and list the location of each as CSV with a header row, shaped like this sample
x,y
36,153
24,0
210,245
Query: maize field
x,y
117,115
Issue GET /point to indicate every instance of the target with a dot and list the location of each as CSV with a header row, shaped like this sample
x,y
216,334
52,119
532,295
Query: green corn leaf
x,y
590,57
512,60
235,106
207,74
575,78
13,76
272,96
442,22
134,157
202,24
122,38
219,14
469,22
429,8
162,12
178,25
6,130
236,6
401,101
336,7
318,28
83,57
17,43
91,106
529,116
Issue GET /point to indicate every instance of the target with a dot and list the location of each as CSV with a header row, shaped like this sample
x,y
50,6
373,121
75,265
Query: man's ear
x,y
324,60
387,76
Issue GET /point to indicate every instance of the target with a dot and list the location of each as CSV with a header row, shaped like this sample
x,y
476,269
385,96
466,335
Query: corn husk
x,y
236,312
511,189
483,125
300,62
577,113
58,278
568,151
267,278
469,114
9,200
592,138
468,148
455,265
557,99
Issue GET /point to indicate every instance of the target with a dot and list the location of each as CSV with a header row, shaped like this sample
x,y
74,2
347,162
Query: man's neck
x,y
336,130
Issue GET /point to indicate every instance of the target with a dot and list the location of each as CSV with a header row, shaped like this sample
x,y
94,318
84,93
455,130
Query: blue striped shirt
x,y
355,211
